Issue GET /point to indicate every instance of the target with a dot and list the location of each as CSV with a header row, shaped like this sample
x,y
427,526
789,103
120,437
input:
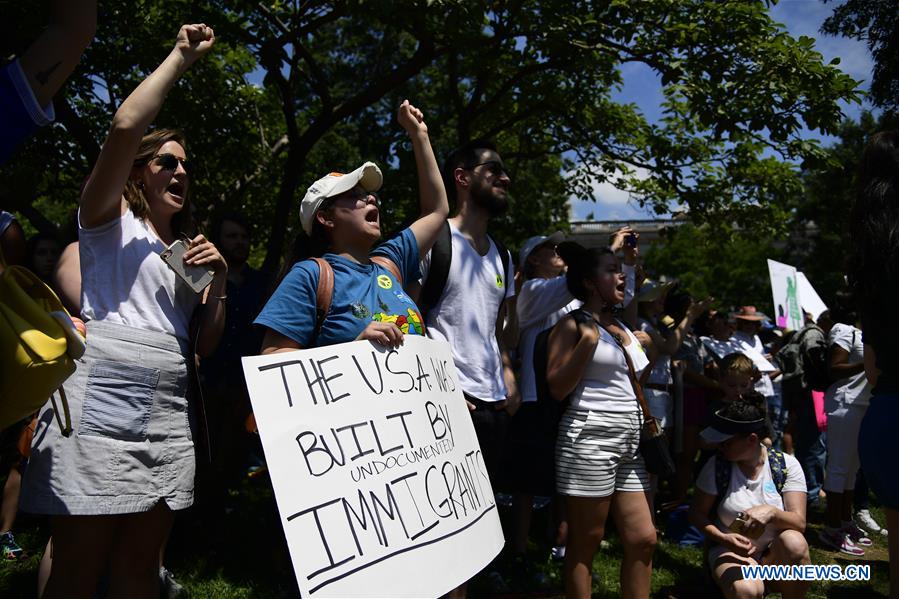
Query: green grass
x,y
243,555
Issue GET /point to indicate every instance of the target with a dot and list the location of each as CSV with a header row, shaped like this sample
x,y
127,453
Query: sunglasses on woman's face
x,y
169,162
357,193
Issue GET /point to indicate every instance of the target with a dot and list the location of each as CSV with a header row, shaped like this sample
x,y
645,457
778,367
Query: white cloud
x,y
608,202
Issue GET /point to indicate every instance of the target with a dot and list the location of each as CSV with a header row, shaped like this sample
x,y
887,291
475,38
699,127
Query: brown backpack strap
x,y
648,420
389,265
323,293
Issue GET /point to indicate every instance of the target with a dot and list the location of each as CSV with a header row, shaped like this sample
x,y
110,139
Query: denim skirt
x,y
131,445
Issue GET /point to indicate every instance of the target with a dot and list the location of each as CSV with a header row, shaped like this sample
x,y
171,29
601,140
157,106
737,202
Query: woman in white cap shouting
x,y
340,214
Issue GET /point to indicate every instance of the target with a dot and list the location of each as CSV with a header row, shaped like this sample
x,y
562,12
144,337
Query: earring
x,y
140,184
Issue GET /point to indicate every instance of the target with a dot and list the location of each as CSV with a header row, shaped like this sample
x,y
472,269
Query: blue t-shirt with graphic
x,y
20,114
362,293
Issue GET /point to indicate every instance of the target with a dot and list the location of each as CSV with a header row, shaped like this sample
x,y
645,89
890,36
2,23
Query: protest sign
x,y
785,291
381,486
809,299
721,349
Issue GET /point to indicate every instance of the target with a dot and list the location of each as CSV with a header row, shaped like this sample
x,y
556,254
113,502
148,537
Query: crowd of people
x,y
566,357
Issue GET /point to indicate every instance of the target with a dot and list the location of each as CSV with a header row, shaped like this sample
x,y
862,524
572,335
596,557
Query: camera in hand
x,y
740,525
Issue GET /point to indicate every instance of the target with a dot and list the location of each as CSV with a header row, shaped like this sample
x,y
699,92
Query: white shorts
x,y
843,424
598,453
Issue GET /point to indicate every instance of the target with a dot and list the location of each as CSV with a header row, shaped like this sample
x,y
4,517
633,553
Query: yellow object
x,y
33,357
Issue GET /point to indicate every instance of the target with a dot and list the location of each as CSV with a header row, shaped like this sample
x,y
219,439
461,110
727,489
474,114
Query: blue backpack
x,y
723,468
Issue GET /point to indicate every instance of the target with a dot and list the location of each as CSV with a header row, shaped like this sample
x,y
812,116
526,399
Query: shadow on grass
x,y
240,553
236,549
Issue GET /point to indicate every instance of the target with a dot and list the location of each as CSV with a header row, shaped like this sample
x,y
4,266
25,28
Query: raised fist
x,y
194,40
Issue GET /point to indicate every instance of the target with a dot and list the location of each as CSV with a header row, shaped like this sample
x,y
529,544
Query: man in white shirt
x,y
470,310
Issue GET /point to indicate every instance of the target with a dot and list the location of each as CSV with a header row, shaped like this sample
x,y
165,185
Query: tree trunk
x,y
293,166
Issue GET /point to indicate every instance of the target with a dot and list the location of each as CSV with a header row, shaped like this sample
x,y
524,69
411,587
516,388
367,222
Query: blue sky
x,y
641,86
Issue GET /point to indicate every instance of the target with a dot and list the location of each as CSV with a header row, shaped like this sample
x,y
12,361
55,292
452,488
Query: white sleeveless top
x,y
123,279
606,385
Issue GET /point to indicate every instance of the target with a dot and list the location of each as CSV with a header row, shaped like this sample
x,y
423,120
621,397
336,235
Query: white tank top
x,y
123,279
606,385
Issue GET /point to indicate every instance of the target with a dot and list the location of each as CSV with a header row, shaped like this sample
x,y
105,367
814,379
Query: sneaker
x,y
868,521
168,586
837,539
9,549
558,552
858,535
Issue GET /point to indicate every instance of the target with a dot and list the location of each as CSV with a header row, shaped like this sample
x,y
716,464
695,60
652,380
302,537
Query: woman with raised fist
x,y
111,483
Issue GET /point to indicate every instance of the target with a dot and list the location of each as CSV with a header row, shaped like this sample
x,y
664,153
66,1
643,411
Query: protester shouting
x,y
341,219
599,468
111,487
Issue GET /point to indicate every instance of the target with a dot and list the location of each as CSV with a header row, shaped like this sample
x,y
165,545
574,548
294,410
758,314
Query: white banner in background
x,y
379,479
722,349
809,299
785,291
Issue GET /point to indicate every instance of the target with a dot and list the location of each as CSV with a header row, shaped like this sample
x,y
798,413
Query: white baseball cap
x,y
368,177
532,243
721,428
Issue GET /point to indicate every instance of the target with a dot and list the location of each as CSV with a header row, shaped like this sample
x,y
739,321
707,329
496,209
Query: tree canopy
x,y
732,266
876,23
297,89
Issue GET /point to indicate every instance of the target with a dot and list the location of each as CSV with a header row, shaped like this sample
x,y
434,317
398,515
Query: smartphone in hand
x,y
196,277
